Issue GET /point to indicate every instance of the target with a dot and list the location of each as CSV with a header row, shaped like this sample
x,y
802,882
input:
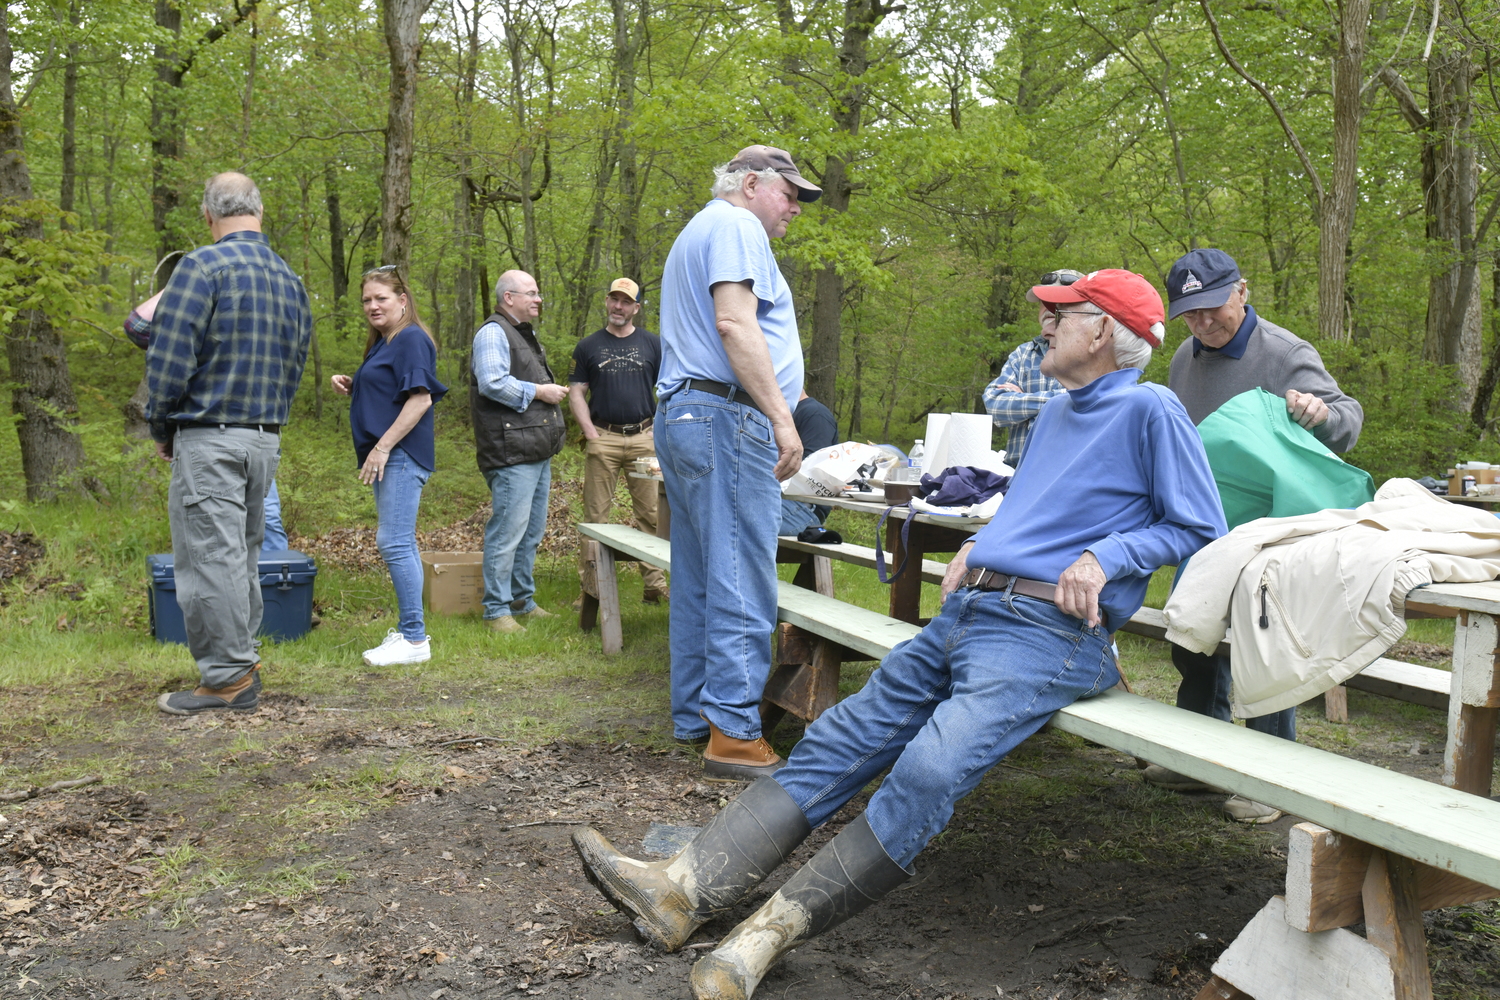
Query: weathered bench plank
x,y
860,555
1438,826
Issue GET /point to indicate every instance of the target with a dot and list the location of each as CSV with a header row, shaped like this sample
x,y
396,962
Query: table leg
x,y
588,609
608,585
1473,704
663,513
906,589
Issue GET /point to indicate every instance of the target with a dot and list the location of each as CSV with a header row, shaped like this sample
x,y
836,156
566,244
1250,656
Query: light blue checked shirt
x,y
492,369
229,338
1018,410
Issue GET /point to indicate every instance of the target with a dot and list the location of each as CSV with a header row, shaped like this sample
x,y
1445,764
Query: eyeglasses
x,y
530,295
1075,312
1064,276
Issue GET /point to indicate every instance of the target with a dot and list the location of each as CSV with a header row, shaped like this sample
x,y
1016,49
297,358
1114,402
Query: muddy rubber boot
x,y
668,900
840,881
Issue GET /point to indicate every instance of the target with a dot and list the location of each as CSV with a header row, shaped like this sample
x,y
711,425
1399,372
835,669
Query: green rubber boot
x,y
668,900
840,881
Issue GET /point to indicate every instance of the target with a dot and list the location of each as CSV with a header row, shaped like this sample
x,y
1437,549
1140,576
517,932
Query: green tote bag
x,y
1267,465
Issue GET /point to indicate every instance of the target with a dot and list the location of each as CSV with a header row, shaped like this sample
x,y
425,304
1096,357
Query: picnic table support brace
x,y
1473,705
805,681
601,604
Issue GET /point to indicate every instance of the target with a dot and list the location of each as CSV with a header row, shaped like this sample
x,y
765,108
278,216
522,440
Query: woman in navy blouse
x,y
390,416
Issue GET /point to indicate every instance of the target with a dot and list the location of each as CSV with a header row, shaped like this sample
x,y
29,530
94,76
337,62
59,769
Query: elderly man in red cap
x,y
1025,628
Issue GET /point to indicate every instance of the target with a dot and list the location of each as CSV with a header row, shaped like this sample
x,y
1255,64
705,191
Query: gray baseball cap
x,y
779,160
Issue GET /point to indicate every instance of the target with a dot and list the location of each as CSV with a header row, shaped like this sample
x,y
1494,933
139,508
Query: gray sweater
x,y
1275,360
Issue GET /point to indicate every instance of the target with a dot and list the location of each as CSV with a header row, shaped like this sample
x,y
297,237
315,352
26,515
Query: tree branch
x,y
1406,101
1307,166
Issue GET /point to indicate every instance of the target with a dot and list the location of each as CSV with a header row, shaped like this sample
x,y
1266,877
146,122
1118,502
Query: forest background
x,y
1343,153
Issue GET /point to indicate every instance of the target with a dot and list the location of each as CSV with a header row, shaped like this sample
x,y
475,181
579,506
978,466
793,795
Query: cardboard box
x,y
453,582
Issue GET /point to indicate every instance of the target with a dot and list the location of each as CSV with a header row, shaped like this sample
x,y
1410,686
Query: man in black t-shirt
x,y
617,368
818,429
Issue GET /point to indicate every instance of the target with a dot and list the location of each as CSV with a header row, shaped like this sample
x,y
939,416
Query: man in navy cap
x,y
1233,350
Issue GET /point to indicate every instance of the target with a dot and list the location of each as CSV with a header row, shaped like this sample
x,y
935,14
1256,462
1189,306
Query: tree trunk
x,y
1336,213
1450,181
628,39
402,23
1485,393
42,398
166,130
861,18
338,264
464,202
67,187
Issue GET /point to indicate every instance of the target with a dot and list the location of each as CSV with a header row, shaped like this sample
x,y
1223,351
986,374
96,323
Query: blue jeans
x,y
795,516
944,708
718,459
397,497
518,517
275,540
1205,690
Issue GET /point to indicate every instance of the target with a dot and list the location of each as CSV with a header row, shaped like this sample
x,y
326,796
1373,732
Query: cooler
x,y
286,588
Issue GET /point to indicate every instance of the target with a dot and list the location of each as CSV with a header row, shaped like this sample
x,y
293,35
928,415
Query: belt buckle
x,y
629,429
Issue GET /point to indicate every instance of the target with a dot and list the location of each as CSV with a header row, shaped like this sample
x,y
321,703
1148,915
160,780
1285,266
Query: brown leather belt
x,y
991,580
629,430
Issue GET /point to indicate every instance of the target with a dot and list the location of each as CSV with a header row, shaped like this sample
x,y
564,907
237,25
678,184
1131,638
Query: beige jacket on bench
x,y
1313,600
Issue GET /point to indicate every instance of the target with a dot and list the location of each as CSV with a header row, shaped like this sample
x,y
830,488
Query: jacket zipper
x,y
1286,620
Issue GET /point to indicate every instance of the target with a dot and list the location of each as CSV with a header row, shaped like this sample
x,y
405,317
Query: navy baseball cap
x,y
1201,279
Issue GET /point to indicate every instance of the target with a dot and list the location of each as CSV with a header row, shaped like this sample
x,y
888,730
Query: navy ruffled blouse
x,y
392,370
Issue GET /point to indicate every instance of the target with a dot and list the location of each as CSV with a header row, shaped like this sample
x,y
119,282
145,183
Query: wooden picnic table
x,y
928,533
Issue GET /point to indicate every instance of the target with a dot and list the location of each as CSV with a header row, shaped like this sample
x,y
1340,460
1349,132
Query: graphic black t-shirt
x,y
621,375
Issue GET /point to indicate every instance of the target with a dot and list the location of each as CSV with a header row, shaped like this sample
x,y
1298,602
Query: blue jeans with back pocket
x,y
718,459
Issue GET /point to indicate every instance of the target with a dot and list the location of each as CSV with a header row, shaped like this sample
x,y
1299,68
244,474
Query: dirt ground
x,y
1063,876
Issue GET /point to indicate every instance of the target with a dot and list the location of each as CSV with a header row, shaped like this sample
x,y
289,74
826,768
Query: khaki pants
x,y
605,457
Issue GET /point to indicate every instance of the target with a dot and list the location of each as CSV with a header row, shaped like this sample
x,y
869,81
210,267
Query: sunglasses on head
x,y
1061,277
382,269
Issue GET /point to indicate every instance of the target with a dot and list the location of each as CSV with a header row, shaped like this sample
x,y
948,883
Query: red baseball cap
x,y
1128,297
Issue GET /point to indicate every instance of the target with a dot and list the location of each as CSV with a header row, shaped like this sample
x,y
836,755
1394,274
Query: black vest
x,y
502,436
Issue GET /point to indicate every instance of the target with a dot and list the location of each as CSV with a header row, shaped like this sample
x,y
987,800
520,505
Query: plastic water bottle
x,y
914,459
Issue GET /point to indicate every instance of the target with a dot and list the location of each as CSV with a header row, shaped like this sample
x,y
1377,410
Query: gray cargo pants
x,y
216,506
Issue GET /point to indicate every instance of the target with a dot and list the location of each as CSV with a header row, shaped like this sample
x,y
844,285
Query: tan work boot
x,y
653,596
743,760
668,900
242,695
536,614
505,623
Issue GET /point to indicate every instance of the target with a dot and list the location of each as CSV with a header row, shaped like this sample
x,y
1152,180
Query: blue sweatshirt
x,y
1113,468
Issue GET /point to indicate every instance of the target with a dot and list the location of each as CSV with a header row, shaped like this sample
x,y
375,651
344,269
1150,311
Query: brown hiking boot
x,y
653,596
742,760
242,695
504,623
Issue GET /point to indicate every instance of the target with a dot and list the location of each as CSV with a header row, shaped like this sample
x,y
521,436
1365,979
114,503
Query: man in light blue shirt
x,y
731,373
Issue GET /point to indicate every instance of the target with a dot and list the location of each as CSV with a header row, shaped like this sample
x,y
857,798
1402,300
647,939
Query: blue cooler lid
x,y
286,567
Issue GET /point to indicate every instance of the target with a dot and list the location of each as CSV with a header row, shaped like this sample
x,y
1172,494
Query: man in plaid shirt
x,y
1016,397
230,339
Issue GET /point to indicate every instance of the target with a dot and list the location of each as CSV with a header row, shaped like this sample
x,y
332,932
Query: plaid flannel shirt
x,y
1018,410
492,370
229,338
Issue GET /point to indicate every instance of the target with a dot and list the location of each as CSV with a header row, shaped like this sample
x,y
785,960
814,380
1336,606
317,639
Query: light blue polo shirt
x,y
723,242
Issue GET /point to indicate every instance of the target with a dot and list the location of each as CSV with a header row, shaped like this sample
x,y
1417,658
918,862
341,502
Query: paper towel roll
x,y
966,441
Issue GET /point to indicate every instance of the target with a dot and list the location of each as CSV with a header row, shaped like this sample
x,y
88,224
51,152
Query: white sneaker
x,y
1243,810
395,649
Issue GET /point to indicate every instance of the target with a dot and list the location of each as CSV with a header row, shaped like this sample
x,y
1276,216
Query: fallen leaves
x,y
11,907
